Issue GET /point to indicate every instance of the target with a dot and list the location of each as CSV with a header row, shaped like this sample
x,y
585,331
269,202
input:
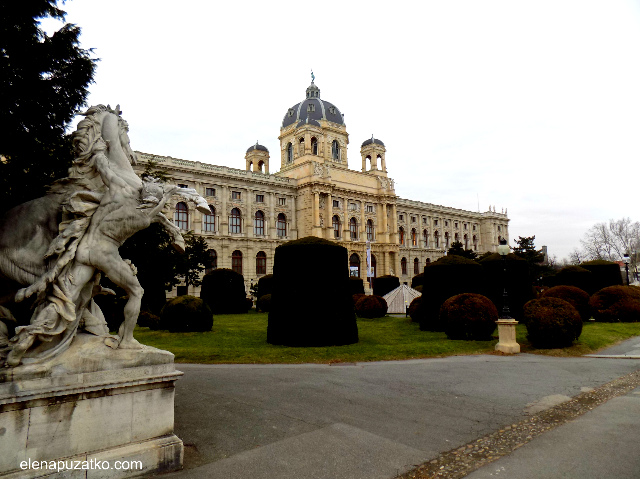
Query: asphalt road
x,y
372,420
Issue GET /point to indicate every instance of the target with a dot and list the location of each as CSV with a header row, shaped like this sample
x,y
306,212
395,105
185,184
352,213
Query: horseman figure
x,y
101,204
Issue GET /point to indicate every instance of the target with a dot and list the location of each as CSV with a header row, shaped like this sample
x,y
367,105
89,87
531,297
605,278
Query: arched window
x,y
314,146
181,216
301,147
282,225
403,265
336,226
235,221
335,150
456,238
354,265
446,240
414,237
425,238
436,239
401,235
289,153
466,242
209,221
353,229
258,223
236,261
261,263
475,243
369,230
367,161
213,261
260,165
416,266
373,266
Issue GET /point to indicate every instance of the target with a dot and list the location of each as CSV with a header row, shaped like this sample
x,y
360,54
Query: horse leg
x,y
121,273
177,240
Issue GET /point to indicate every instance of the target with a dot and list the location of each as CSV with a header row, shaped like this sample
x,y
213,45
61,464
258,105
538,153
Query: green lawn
x,y
242,338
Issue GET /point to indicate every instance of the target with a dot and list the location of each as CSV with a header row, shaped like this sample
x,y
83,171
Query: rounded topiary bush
x,y
419,288
316,310
578,298
356,285
469,316
574,276
223,290
385,284
186,314
552,323
265,285
616,304
371,307
447,277
147,318
516,279
417,280
414,309
603,274
264,303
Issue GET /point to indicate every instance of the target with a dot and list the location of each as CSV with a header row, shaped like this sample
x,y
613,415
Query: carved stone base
x,y
507,337
90,403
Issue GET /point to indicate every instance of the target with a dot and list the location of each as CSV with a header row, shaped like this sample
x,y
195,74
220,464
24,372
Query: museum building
x,y
315,193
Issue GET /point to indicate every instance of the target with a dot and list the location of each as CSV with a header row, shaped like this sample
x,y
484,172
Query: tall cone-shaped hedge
x,y
311,305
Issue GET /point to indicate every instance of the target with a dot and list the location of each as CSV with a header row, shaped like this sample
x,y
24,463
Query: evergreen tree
x,y
457,249
526,250
193,262
43,80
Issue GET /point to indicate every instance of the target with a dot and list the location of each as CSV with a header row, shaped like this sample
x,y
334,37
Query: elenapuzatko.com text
x,y
71,465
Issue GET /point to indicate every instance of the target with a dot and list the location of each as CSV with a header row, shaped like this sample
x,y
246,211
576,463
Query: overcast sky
x,y
530,106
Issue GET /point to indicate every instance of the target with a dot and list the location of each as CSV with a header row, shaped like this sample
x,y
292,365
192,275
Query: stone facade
x,y
315,193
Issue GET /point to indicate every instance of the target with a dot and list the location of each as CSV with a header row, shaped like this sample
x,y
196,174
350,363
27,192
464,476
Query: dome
x,y
372,140
312,109
257,147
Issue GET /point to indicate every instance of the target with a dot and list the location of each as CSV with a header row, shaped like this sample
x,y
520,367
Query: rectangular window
x,y
369,208
235,195
282,201
259,198
413,219
261,265
210,192
336,204
182,185
435,222
353,206
401,217
209,223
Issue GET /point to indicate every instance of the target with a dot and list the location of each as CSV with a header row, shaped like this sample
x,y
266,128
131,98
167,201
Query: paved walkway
x,y
379,420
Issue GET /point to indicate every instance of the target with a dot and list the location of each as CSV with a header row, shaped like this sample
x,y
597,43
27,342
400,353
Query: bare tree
x,y
611,241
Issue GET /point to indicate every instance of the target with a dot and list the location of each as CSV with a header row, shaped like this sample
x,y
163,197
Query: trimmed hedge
x,y
447,277
616,304
417,280
186,314
574,276
415,309
385,284
469,316
265,285
518,282
356,286
316,311
223,290
371,307
552,323
578,298
603,274
264,303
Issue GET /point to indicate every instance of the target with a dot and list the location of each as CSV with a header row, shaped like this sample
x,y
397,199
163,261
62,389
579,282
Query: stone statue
x,y
56,247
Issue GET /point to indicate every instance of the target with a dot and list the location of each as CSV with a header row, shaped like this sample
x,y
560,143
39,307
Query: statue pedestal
x,y
109,411
507,336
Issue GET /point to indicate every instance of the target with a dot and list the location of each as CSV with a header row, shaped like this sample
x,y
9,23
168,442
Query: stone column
x,y
316,214
224,215
329,220
363,229
346,234
294,217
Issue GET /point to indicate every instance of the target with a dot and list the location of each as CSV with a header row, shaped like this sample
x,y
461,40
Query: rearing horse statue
x,y
101,204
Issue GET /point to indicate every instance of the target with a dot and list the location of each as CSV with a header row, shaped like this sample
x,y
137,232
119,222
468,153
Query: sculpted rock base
x,y
90,403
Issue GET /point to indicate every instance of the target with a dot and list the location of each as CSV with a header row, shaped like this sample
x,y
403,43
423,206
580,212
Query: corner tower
x,y
257,158
313,131
373,152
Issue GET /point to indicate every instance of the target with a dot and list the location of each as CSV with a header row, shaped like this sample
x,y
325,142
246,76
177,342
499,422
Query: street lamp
x,y
506,324
626,266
